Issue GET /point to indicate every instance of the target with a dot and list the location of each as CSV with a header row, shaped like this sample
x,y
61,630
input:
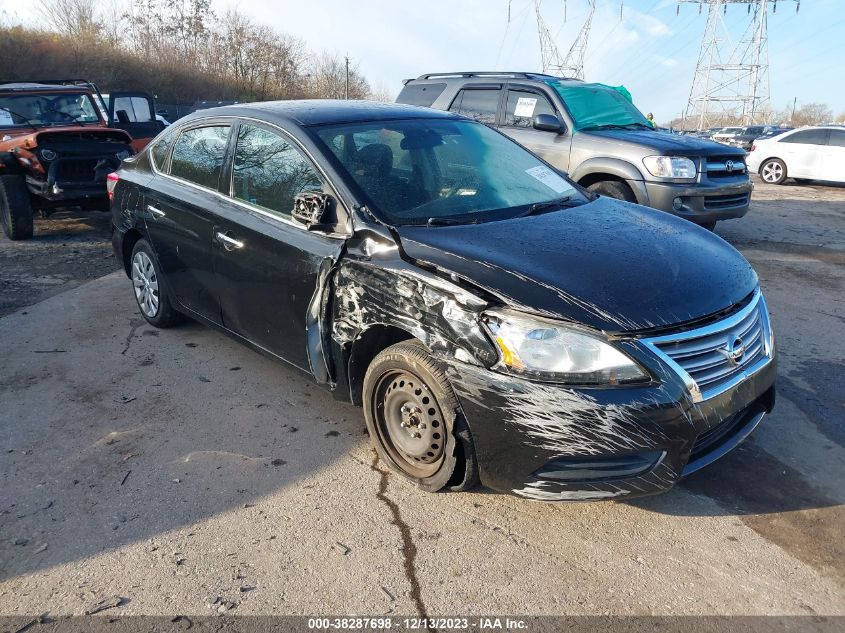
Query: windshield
x,y
420,171
596,106
39,110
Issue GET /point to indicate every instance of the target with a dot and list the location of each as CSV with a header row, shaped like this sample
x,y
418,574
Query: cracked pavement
x,y
187,474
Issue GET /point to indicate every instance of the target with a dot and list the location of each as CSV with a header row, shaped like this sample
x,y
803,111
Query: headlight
x,y
123,154
556,353
48,154
670,167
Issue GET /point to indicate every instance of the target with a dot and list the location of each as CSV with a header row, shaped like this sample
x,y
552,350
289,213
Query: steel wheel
x,y
409,423
145,281
773,172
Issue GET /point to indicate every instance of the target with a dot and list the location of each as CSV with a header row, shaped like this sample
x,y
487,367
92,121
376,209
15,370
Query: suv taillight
x,y
753,147
111,183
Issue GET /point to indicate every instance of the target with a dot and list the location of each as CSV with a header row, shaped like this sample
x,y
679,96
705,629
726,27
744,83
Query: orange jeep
x,y
58,142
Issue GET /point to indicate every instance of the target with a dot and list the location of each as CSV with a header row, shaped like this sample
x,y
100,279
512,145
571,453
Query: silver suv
x,y
596,134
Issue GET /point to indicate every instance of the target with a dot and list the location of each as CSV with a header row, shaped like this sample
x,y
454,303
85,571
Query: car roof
x,y
323,111
32,86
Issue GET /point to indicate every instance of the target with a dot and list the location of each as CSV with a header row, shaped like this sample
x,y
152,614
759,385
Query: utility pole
x,y
346,93
792,118
572,65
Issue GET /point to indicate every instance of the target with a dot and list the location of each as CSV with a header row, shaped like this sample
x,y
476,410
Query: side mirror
x,y
310,208
547,123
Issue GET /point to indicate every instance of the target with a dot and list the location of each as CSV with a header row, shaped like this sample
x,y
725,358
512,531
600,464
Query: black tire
x,y
773,171
404,384
613,189
154,299
15,208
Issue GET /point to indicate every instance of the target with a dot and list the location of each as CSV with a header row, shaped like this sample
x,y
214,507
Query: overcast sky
x,y
652,50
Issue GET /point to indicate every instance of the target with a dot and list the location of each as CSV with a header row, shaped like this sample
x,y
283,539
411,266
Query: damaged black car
x,y
497,323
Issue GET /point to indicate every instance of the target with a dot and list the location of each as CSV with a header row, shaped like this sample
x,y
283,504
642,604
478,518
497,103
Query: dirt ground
x,y
186,474
69,248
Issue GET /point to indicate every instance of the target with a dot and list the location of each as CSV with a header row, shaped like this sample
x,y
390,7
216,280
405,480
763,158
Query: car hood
x,y
611,265
659,142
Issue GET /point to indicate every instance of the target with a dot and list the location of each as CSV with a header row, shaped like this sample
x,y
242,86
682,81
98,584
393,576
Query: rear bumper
x,y
551,443
702,202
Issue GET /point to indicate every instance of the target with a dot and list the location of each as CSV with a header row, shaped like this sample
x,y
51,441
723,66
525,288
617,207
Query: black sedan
x,y
495,321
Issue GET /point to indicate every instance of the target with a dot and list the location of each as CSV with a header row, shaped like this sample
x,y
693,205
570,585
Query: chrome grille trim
x,y
700,357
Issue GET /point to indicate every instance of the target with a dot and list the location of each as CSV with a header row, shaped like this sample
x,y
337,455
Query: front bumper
x,y
702,202
553,443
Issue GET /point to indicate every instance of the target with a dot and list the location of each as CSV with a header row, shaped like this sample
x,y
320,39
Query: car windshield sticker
x,y
6,117
548,178
525,107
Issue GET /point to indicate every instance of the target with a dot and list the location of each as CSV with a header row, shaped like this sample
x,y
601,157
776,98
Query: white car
x,y
808,153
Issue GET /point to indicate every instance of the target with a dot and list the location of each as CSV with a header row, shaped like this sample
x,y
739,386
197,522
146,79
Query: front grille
x,y
713,358
77,170
725,202
711,437
717,166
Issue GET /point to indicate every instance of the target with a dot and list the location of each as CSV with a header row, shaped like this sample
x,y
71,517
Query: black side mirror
x,y
311,208
547,123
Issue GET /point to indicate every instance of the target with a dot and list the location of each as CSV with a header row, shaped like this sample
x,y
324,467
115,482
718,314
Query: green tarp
x,y
592,105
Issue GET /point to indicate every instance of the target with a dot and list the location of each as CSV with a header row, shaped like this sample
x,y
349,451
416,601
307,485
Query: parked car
x,y
494,319
726,134
774,131
809,153
746,136
56,148
596,135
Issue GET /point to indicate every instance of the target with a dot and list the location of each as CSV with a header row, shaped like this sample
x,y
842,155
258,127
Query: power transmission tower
x,y
549,54
573,63
731,81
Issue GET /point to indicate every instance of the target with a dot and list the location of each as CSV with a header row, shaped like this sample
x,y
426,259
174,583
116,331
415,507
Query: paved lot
x,y
175,467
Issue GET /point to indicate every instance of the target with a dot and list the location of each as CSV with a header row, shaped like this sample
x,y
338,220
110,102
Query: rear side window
x,y
160,149
420,94
523,106
198,155
480,105
810,137
837,138
269,172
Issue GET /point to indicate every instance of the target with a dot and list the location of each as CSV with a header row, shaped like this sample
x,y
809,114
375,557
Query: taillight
x,y
753,147
111,183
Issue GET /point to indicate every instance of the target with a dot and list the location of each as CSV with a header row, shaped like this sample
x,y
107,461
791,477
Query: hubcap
x,y
145,280
409,423
772,172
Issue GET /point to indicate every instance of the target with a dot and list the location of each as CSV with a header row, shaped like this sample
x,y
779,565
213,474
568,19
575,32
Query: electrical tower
x,y
573,64
731,80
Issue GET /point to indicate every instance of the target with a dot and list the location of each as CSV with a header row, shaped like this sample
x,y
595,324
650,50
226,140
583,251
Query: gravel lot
x,y
181,471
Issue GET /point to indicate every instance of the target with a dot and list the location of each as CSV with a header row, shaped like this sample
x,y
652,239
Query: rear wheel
x,y
15,208
415,422
150,286
613,189
773,171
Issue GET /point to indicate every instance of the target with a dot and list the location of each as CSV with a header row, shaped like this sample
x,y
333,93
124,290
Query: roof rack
x,y
28,83
492,73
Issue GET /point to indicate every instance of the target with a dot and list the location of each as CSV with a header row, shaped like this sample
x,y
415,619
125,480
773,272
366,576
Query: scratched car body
x,y
495,321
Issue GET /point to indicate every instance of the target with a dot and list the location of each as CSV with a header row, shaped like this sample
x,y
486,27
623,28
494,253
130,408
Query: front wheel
x,y
150,286
773,171
613,189
414,420
15,208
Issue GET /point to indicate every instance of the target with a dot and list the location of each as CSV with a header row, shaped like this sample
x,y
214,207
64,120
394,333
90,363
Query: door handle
x,y
229,243
155,211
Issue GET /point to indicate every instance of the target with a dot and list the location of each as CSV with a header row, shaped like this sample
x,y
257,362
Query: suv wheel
x,y
15,208
415,422
773,171
613,189
150,286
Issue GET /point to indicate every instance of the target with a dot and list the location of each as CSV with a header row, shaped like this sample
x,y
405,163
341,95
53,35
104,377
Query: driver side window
x,y
523,106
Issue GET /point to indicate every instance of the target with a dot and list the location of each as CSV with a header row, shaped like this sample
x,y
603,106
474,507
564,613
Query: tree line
x,y
179,50
791,116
